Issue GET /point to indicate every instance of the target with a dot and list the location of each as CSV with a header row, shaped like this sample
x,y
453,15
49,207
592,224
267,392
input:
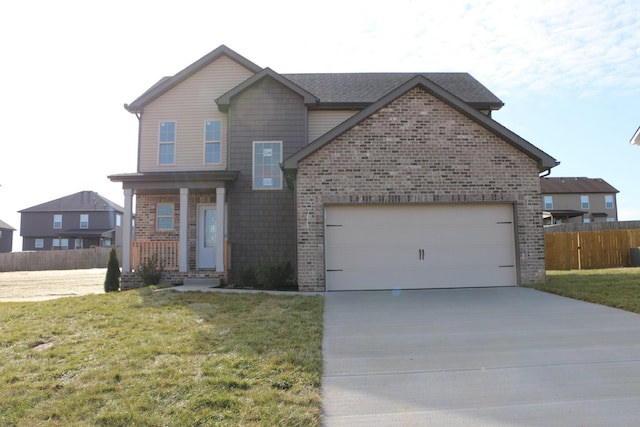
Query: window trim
x,y
608,205
162,143
548,206
57,225
38,243
86,225
212,142
253,166
165,216
583,204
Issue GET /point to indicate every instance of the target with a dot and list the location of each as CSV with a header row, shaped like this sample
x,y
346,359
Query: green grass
x,y
144,358
616,287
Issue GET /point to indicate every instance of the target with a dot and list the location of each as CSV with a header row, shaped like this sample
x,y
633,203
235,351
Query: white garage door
x,y
419,246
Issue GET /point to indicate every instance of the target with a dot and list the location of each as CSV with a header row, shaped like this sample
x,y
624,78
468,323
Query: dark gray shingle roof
x,y
81,201
5,226
579,185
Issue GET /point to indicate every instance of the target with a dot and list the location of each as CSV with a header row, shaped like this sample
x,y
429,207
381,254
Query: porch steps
x,y
210,282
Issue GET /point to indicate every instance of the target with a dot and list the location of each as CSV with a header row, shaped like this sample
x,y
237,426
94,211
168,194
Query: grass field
x,y
162,359
616,287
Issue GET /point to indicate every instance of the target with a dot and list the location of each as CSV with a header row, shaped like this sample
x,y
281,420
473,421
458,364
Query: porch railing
x,y
168,253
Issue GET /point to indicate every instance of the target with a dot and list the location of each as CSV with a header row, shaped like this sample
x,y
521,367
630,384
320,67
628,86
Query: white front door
x,y
206,239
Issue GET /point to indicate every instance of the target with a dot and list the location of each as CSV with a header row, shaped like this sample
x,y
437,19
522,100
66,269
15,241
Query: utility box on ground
x,y
634,257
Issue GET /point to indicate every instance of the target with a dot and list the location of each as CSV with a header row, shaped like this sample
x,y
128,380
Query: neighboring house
x,y
6,237
362,181
77,221
570,200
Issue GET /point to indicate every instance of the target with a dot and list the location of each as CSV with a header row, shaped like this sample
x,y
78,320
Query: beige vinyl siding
x,y
190,104
320,122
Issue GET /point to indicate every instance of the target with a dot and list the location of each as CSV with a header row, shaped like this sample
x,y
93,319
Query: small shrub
x,y
274,274
112,279
150,271
247,278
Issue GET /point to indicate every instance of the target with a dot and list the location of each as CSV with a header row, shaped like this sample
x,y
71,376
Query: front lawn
x,y
162,359
615,287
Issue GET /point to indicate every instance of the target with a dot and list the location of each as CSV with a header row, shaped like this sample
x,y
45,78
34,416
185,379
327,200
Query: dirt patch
x,y
45,285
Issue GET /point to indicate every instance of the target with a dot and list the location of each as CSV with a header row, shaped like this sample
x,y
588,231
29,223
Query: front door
x,y
206,224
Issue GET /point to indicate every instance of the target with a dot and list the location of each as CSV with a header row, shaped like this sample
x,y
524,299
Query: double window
x,y
167,143
212,139
164,216
61,243
267,174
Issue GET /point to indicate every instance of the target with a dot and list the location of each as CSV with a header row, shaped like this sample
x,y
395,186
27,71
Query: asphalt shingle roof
x,y
81,201
582,185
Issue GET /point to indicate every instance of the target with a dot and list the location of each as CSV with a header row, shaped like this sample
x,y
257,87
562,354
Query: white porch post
x,y
220,227
126,230
184,221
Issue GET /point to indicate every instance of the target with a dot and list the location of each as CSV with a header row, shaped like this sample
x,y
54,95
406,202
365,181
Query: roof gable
x,y
78,202
224,101
167,83
5,226
544,160
575,185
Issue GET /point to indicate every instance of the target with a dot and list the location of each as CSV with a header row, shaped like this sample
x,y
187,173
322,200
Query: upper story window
x,y
608,201
57,221
167,143
212,138
584,202
164,216
84,220
118,220
267,174
548,202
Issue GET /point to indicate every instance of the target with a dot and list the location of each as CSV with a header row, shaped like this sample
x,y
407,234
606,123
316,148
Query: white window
x,y
267,174
611,219
39,243
586,220
84,220
548,202
57,221
118,220
584,202
164,216
61,243
106,242
167,143
608,201
212,138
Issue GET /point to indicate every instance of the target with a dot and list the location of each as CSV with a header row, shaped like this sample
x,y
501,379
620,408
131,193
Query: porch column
x,y
184,221
126,230
220,227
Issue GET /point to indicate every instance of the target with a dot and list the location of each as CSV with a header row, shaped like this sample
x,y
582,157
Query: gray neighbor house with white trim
x,y
6,237
360,180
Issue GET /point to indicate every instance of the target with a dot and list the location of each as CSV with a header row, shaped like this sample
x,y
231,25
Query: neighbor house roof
x,y
5,226
636,137
83,201
581,185
544,160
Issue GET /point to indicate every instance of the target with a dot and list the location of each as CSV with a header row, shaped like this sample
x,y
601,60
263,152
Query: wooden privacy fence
x,y
589,249
72,259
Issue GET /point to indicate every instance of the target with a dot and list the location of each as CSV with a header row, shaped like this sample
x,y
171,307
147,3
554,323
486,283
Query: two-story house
x,y
77,221
578,199
6,237
361,180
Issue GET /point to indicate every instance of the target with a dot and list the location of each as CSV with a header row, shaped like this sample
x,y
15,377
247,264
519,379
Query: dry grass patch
x,y
162,359
45,285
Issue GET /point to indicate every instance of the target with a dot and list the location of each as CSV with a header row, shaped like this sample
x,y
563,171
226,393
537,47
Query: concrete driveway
x,y
478,357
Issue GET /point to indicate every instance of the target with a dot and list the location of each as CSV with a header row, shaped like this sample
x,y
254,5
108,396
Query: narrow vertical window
x,y
608,201
118,220
212,139
164,216
57,221
584,202
167,143
84,220
548,202
267,174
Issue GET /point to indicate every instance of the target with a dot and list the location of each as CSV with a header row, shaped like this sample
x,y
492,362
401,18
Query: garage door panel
x,y
419,246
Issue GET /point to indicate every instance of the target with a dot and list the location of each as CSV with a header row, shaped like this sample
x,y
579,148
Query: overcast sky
x,y
567,71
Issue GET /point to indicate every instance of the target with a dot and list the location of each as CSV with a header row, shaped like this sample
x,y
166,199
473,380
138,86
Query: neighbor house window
x,y
57,221
61,243
167,145
39,243
164,216
587,220
608,202
548,202
611,220
584,202
212,138
84,220
267,173
106,242
118,220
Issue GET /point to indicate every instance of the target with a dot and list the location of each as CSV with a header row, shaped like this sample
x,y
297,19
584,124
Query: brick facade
x,y
417,149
